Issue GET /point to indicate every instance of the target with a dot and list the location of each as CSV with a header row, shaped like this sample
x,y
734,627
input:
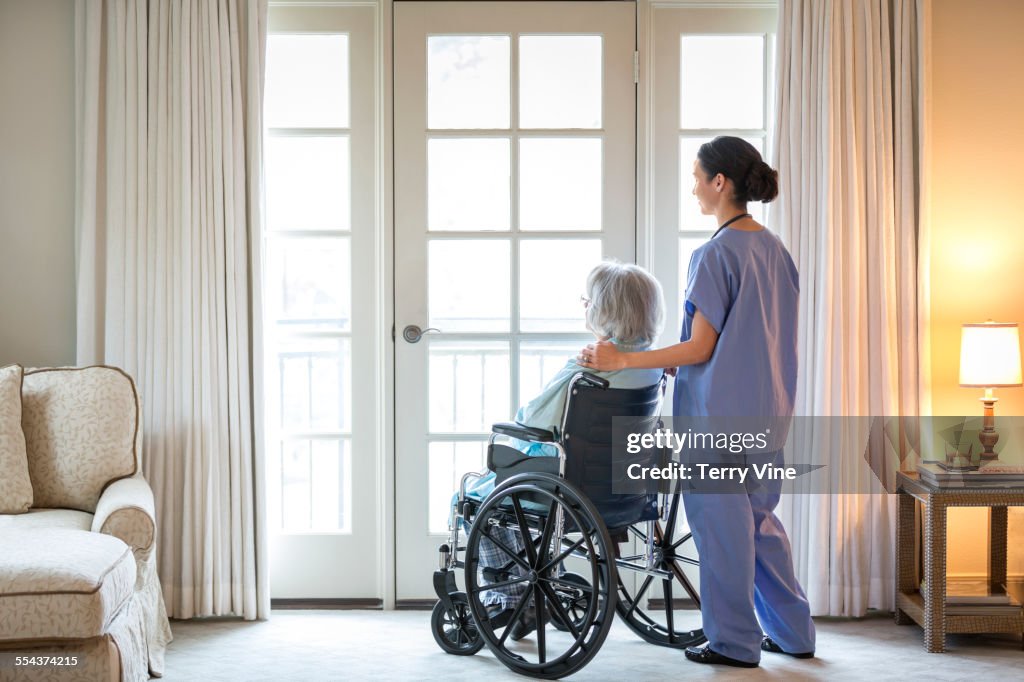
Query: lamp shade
x,y
990,355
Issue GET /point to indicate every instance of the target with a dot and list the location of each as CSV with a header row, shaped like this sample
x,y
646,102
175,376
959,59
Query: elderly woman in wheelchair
x,y
550,549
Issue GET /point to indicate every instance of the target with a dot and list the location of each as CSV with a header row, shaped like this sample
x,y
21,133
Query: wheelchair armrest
x,y
592,379
523,432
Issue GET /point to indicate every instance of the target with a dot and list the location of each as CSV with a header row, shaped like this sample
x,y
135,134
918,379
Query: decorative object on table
x,y
990,358
957,462
996,475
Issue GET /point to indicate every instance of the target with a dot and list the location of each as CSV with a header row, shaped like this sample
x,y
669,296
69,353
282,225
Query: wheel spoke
x,y
545,534
681,540
503,547
642,536
563,556
639,595
542,644
669,610
520,607
506,583
673,513
556,606
681,577
524,531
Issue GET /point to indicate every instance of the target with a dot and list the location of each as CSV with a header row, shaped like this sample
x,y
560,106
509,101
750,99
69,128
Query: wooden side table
x,y
927,607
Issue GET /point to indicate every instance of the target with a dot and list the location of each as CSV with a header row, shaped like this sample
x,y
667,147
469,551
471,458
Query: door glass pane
x,y
308,183
552,276
705,102
539,361
468,81
560,184
560,82
469,385
468,184
295,481
316,384
330,472
468,285
308,286
315,477
690,217
307,81
447,462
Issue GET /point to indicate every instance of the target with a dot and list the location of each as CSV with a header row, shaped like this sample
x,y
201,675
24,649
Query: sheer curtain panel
x,y
848,151
168,211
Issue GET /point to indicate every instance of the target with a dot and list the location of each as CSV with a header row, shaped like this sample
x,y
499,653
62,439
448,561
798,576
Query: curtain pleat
x,y
848,153
169,214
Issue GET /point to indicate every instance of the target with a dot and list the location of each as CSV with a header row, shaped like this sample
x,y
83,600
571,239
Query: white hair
x,y
625,303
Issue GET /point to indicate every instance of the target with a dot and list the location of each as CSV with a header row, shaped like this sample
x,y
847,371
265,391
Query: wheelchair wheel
x,y
649,604
553,522
455,632
575,599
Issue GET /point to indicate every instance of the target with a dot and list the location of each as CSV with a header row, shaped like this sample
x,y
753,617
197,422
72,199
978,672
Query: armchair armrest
x,y
126,511
523,432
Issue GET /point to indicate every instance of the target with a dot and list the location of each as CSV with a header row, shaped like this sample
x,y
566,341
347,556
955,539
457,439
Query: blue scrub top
x,y
747,286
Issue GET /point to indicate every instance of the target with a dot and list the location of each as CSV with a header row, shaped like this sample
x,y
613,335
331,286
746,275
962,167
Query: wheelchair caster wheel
x,y
574,601
456,632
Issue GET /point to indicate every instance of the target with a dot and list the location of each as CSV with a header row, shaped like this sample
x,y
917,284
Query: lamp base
x,y
988,435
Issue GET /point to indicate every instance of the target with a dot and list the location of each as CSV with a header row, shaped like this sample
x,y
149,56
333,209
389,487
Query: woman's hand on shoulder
x,y
602,356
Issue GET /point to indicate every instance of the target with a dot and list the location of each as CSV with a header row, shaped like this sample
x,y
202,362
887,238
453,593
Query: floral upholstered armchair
x,y
77,526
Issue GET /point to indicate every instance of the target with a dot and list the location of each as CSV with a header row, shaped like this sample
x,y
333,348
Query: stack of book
x,y
988,476
981,598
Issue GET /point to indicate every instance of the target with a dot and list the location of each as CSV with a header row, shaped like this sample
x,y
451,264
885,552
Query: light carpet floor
x,y
397,645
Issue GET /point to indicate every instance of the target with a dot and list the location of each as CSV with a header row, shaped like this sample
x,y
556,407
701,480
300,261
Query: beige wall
x,y
977,170
37,182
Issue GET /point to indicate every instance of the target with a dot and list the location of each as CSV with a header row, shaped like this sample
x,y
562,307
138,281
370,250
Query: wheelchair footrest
x,y
445,587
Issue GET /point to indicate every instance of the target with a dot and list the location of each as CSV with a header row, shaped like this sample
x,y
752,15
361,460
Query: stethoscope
x,y
729,222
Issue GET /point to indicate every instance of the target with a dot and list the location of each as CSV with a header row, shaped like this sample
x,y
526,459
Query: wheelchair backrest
x,y
586,435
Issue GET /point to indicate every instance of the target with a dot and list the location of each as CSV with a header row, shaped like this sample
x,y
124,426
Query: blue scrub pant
x,y
746,568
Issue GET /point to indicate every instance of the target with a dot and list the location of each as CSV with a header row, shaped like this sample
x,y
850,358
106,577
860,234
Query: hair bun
x,y
762,182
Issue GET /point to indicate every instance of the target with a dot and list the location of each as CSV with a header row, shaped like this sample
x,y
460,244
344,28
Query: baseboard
x,y
326,604
414,604
681,604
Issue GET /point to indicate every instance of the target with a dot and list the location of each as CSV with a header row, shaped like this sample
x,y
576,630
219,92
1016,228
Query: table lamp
x,y
989,358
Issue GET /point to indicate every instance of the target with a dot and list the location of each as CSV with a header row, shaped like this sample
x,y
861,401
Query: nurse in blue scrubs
x,y
737,356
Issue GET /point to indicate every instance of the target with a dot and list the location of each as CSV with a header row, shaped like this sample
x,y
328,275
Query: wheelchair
x,y
582,553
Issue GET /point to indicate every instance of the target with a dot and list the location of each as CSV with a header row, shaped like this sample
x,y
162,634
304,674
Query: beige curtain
x,y
848,151
169,129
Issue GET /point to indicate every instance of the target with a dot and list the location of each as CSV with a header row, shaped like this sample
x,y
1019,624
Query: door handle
x,y
412,333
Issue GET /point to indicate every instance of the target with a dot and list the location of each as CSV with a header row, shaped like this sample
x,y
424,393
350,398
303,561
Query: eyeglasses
x,y
585,300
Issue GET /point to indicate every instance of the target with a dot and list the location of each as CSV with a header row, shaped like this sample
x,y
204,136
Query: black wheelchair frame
x,y
564,505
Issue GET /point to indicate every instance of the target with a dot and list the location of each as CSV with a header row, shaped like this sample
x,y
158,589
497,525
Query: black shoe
x,y
768,644
707,655
526,624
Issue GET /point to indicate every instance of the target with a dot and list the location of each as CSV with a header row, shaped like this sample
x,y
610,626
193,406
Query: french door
x,y
322,330
514,176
